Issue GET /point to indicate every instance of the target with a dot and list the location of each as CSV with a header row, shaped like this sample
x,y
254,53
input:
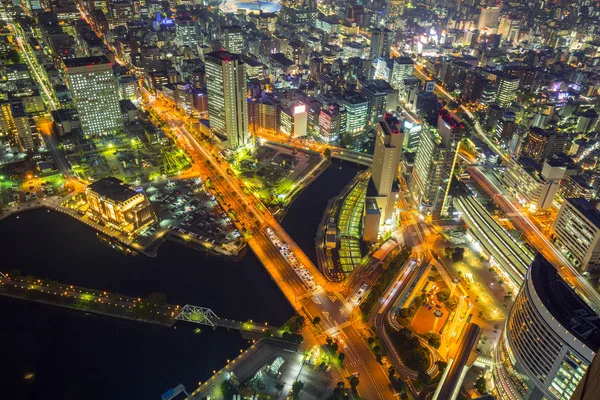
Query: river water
x,y
53,353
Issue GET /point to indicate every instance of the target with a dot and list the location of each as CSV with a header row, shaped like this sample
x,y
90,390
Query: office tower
x,y
505,128
577,230
356,113
576,187
185,31
232,39
507,90
434,163
383,188
381,97
332,123
489,18
549,339
7,10
381,43
227,104
540,144
95,94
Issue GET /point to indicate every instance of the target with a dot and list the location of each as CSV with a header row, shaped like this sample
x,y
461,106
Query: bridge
x,y
206,316
352,156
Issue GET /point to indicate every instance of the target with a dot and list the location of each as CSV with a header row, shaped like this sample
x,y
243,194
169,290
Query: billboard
x,y
429,86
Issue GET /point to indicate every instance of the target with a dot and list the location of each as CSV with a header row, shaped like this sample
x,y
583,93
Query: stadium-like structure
x,y
249,6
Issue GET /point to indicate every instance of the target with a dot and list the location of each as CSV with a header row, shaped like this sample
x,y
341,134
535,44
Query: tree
x,y
480,385
434,340
14,273
441,365
458,254
341,357
327,154
157,299
391,372
296,388
423,377
316,321
354,382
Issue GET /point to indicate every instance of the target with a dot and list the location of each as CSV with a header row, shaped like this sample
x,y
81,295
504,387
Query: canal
x,y
53,353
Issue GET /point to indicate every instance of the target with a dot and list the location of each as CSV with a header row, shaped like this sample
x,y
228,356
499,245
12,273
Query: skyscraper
x,y
383,188
227,104
381,43
489,18
540,144
434,164
507,90
95,94
549,340
185,31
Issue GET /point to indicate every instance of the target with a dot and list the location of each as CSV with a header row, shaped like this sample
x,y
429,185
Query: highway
x,y
49,100
455,372
325,302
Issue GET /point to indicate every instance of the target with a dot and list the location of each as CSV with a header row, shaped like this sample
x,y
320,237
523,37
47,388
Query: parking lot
x,y
187,208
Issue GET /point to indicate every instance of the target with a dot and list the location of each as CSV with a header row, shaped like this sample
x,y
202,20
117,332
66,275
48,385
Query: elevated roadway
x,y
454,374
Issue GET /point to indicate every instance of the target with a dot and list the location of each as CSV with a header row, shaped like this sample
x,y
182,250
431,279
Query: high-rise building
x,y
540,144
402,69
294,120
434,163
356,113
332,123
574,187
509,27
489,18
383,187
577,230
186,31
549,340
95,94
227,104
381,43
381,97
232,39
507,90
505,128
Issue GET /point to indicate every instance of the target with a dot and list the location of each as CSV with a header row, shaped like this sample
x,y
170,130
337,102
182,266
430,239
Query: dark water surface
x,y
53,353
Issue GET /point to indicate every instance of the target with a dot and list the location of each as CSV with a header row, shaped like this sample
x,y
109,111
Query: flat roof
x,y
83,61
564,304
113,188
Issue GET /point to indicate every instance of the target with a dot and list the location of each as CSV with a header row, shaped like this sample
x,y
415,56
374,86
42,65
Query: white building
x,y
95,94
577,229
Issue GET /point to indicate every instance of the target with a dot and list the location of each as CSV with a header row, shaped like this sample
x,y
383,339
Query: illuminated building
x,y
227,104
232,39
356,113
574,187
18,125
185,31
381,97
507,90
332,123
95,94
540,144
434,163
113,202
402,69
263,115
577,230
489,18
549,340
294,120
509,27
505,128
381,43
383,186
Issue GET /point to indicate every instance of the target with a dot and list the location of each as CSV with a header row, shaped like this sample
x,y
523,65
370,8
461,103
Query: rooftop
x,y
85,61
112,188
564,304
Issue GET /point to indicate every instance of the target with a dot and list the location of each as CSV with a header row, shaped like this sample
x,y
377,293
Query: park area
x,y
273,172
